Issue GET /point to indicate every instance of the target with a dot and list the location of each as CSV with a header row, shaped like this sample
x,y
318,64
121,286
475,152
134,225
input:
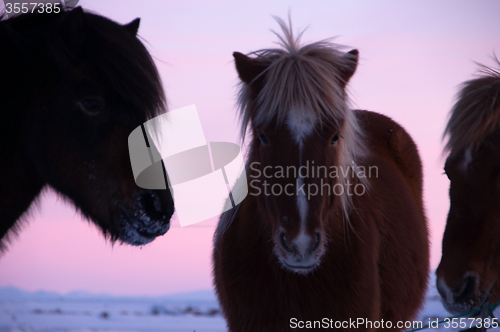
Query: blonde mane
x,y
306,79
476,113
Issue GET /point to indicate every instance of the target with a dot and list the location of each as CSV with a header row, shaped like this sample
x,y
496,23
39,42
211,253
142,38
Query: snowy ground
x,y
81,312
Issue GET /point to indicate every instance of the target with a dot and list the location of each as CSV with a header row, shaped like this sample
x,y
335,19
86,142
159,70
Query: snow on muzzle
x,y
147,219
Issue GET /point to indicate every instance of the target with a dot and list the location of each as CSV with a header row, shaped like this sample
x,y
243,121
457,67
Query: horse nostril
x,y
468,289
151,204
283,242
317,243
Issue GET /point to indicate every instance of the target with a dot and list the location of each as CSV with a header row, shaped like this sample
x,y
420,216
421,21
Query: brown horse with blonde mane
x,y
333,228
469,273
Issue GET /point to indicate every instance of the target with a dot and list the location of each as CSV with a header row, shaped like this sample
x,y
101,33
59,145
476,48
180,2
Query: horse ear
x,y
73,29
133,26
248,68
350,65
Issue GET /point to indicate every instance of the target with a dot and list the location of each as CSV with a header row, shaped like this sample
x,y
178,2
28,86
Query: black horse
x,y
73,85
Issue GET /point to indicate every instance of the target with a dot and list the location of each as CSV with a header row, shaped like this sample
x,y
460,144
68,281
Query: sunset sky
x,y
413,55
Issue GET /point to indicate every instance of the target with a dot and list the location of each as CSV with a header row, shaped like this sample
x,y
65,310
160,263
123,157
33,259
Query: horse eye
x,y
334,139
263,138
91,106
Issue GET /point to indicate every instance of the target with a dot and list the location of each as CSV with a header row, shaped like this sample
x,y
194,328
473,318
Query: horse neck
x,y
20,184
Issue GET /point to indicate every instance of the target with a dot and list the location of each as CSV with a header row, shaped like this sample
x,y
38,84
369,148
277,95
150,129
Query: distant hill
x,y
14,293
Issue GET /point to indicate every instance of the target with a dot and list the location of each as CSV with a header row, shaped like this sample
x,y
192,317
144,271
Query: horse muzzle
x,y
148,219
301,254
464,298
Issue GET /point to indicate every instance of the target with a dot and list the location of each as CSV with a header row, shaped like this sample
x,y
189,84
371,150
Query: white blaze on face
x,y
302,205
301,125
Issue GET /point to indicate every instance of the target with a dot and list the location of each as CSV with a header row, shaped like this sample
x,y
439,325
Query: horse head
x,y
90,83
294,103
469,272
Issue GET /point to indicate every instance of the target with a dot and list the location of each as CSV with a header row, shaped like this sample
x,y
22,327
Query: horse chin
x,y
296,262
299,269
461,307
137,228
295,265
467,297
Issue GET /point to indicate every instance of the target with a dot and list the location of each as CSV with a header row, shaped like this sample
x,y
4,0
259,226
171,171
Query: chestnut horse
x,y
469,272
319,240
73,87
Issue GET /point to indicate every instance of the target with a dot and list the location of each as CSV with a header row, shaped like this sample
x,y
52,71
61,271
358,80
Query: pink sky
x,y
413,56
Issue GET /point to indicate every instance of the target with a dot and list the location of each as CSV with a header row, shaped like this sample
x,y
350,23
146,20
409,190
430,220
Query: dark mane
x,y
476,113
121,59
126,66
